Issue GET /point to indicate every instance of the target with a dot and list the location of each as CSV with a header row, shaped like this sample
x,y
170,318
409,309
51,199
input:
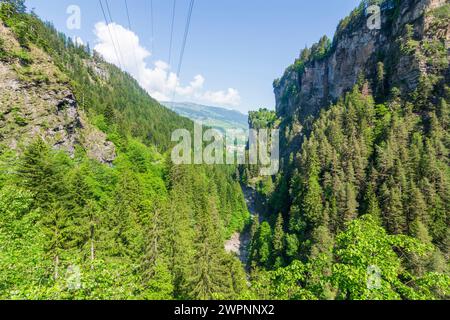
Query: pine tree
x,y
321,259
180,239
380,79
210,278
263,246
239,282
371,205
82,215
41,174
292,246
253,248
125,232
416,207
443,113
278,242
322,243
56,229
418,263
393,216
18,5
312,206
158,283
351,205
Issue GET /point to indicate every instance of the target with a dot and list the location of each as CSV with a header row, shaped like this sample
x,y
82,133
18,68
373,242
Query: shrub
x,y
3,53
23,56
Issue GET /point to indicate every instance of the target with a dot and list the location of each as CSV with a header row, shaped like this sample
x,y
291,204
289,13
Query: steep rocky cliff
x,y
36,101
356,51
365,134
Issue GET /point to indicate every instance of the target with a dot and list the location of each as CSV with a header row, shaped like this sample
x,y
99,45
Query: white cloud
x,y
231,97
160,82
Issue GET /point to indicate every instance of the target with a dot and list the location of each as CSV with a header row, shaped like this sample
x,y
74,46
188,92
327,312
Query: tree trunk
x,y
92,246
56,267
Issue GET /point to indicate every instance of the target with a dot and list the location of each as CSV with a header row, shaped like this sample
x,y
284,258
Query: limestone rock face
x,y
355,52
36,102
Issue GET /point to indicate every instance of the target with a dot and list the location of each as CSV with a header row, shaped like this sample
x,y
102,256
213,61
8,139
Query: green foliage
x,y
262,119
144,228
102,88
141,228
386,160
409,45
441,12
141,219
21,253
278,242
366,245
3,53
262,247
18,5
265,187
321,49
20,121
282,284
365,265
381,161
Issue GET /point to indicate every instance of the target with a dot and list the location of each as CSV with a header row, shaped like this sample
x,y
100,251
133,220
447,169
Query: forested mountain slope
x,y
364,191
214,117
36,100
90,205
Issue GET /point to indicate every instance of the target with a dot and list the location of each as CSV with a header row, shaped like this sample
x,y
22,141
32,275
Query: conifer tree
x,y
371,205
312,206
180,239
394,218
19,5
350,211
210,278
253,248
56,227
263,245
278,242
159,282
40,173
125,232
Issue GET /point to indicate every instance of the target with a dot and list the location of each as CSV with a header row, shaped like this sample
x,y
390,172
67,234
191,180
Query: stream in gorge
x,y
240,241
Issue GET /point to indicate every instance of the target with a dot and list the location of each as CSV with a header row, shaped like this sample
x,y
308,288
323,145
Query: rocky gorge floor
x,y
240,241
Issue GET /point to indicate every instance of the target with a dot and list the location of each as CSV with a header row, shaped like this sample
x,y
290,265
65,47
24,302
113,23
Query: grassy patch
x,y
30,74
20,121
23,56
441,13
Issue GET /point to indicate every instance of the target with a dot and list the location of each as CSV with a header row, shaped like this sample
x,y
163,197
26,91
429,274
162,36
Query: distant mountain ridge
x,y
210,116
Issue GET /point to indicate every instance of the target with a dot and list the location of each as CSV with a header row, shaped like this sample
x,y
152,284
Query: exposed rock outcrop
x,y
36,101
356,51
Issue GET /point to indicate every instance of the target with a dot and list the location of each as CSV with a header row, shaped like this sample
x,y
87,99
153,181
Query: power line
x,y
129,27
110,33
171,31
152,21
113,31
183,47
186,33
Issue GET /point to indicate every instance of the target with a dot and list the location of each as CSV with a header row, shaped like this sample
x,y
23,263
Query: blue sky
x,y
235,49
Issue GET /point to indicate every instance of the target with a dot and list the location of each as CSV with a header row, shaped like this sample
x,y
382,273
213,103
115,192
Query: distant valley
x,y
216,117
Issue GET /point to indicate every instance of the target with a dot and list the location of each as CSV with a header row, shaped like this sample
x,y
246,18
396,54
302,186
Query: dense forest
x,y
365,185
359,210
356,203
136,228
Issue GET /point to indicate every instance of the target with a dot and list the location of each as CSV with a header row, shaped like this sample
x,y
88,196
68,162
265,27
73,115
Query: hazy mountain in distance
x,y
210,116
